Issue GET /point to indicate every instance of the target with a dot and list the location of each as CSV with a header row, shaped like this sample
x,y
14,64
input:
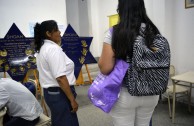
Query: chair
x,y
181,91
39,91
44,121
2,113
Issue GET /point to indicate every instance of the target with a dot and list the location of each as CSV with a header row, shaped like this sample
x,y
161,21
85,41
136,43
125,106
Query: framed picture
x,y
189,3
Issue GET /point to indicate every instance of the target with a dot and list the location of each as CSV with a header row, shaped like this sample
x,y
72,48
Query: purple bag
x,y
104,91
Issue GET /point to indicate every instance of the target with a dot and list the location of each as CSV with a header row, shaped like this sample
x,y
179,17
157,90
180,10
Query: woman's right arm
x,y
106,61
64,84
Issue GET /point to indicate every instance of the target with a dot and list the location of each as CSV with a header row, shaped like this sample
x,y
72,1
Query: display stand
x,y
4,75
38,88
80,79
89,77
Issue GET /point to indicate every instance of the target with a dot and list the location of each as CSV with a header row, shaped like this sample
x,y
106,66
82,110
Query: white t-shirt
x,y
19,100
52,63
108,37
108,34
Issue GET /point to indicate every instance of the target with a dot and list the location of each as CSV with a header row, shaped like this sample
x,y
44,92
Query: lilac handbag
x,y
104,91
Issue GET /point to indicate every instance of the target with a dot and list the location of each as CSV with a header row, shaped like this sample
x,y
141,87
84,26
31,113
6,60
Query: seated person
x,y
22,107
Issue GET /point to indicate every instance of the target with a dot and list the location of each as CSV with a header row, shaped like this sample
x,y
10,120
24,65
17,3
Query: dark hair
x,y
40,32
131,14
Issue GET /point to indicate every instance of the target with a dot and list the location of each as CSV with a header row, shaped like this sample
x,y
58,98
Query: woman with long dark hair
x,y
118,44
56,74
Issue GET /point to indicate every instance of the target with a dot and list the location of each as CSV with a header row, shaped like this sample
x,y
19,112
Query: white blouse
x,y
52,63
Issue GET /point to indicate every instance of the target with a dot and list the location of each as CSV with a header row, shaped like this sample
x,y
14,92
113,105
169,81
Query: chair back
x,y
172,70
2,113
44,121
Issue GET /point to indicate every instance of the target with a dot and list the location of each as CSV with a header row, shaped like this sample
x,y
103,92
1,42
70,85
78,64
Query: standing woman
x,y
118,44
56,74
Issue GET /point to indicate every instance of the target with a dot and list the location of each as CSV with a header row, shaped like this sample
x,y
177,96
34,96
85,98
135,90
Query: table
x,y
187,77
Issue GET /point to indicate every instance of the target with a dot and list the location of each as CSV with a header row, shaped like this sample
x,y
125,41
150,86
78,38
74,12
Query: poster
x,y
77,49
17,54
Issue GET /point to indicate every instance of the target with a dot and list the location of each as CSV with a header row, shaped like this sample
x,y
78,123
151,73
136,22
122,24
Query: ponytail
x,y
37,37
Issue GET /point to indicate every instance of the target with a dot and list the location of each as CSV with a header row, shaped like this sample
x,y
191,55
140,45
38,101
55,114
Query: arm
x,y
107,60
64,84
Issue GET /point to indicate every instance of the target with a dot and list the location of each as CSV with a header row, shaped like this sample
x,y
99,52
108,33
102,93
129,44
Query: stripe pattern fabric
x,y
149,73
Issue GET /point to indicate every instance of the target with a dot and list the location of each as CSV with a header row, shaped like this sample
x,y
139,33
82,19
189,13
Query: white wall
x,y
168,27
98,21
93,16
183,38
84,20
73,15
23,12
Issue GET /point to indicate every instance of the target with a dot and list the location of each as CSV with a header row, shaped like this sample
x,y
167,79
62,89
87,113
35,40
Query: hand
x,y
74,106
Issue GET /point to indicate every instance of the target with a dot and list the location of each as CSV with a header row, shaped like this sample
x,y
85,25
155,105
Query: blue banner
x,y
77,49
17,55
17,52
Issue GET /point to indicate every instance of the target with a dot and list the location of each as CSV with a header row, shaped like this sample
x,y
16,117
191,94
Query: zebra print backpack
x,y
149,71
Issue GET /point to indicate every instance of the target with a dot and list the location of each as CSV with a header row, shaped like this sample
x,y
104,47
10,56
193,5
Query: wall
x,y
168,27
93,16
183,39
84,20
23,12
73,15
99,10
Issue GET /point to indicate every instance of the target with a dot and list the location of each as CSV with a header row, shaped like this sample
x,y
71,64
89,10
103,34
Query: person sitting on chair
x,y
22,107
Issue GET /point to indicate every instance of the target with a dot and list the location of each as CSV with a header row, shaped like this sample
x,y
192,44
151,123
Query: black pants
x,y
17,121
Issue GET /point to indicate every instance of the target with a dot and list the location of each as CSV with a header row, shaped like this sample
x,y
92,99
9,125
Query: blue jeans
x,y
60,107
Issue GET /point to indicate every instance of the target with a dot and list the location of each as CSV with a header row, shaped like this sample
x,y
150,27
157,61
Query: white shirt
x,y
19,100
108,34
108,37
52,63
